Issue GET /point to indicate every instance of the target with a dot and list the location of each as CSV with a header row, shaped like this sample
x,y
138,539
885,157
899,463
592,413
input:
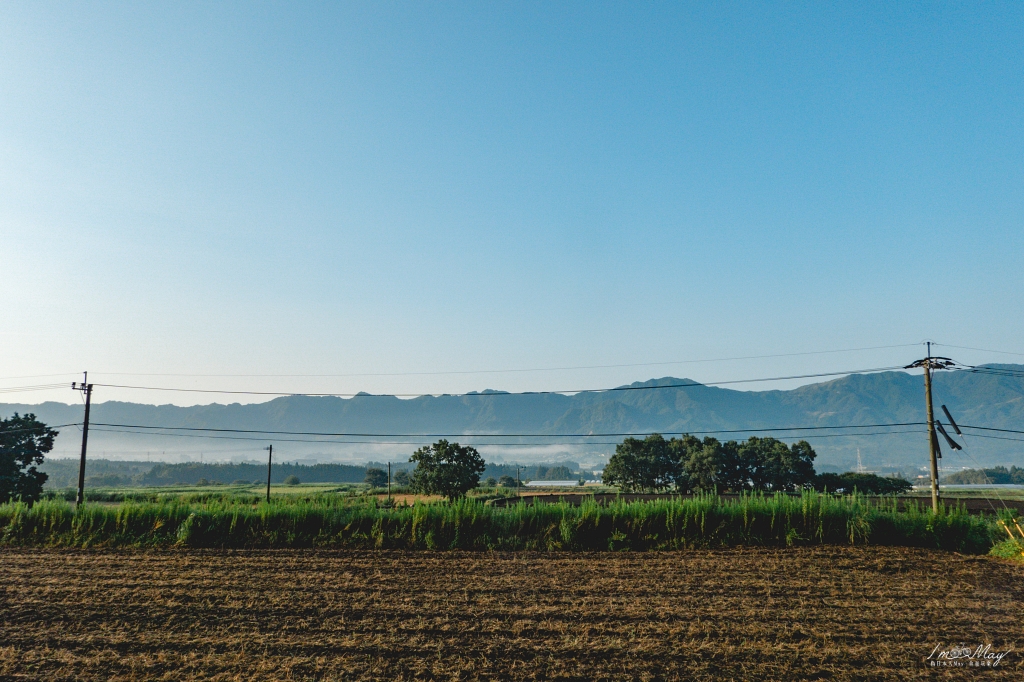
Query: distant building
x,y
553,484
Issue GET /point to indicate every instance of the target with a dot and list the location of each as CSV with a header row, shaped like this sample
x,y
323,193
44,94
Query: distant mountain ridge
x,y
881,398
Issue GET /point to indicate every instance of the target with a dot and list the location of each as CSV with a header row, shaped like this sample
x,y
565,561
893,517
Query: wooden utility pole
x,y
389,481
928,364
270,457
931,430
87,389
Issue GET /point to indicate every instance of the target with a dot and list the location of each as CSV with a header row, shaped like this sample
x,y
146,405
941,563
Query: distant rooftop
x,y
555,484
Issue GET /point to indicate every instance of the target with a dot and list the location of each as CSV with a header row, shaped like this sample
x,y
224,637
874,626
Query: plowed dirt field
x,y
823,613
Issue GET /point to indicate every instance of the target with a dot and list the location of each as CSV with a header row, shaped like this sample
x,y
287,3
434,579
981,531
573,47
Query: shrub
x,y
869,484
1009,549
292,480
106,481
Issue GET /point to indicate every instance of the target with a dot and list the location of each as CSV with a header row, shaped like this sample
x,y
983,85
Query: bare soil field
x,y
745,614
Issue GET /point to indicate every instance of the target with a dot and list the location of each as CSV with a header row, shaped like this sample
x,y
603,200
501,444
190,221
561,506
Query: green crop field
x,y
240,520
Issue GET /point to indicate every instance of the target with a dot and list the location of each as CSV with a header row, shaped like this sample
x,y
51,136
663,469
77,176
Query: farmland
x,y
802,613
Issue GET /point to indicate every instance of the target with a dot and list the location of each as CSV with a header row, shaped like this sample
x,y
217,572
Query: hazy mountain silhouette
x,y
887,397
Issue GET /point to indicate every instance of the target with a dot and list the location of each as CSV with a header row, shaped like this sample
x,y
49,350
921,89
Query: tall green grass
x,y
333,521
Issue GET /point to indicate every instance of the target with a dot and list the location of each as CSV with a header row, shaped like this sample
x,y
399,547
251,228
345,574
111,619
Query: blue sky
x,y
389,188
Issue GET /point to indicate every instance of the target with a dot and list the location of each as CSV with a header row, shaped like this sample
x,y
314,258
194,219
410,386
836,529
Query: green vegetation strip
x,y
331,521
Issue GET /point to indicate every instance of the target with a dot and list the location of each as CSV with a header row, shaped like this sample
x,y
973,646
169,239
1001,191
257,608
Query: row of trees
x,y
689,464
685,464
988,476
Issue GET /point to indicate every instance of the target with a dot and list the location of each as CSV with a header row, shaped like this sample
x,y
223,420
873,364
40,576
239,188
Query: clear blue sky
x,y
212,188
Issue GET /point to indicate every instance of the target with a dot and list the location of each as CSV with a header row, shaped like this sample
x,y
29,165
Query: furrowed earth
x,y
845,613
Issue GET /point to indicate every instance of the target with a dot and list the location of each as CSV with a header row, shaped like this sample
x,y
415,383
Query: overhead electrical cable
x,y
476,394
983,350
996,371
38,376
36,428
510,371
990,428
985,435
487,444
504,435
35,387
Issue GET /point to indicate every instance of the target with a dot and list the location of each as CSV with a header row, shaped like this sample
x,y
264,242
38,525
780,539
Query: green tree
x,y
506,481
447,469
490,482
735,468
701,461
24,441
377,478
401,477
650,464
292,480
557,473
775,466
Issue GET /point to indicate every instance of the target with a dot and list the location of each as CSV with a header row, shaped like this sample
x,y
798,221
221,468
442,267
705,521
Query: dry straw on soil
x,y
839,612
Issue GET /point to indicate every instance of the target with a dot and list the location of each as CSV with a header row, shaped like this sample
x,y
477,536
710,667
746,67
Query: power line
x,y
997,371
983,435
489,444
45,426
518,370
37,376
504,435
990,428
35,387
983,350
507,371
340,442
476,394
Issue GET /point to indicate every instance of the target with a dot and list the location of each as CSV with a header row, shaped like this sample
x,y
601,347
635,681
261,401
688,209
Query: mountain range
x,y
666,405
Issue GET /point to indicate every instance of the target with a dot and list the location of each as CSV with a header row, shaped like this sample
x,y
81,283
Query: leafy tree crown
x,y
24,441
447,469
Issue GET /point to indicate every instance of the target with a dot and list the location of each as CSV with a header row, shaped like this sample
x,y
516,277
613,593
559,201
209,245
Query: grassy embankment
x,y
340,522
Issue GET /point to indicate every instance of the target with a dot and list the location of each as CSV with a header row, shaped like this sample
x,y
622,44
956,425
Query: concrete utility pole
x,y
86,388
928,364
